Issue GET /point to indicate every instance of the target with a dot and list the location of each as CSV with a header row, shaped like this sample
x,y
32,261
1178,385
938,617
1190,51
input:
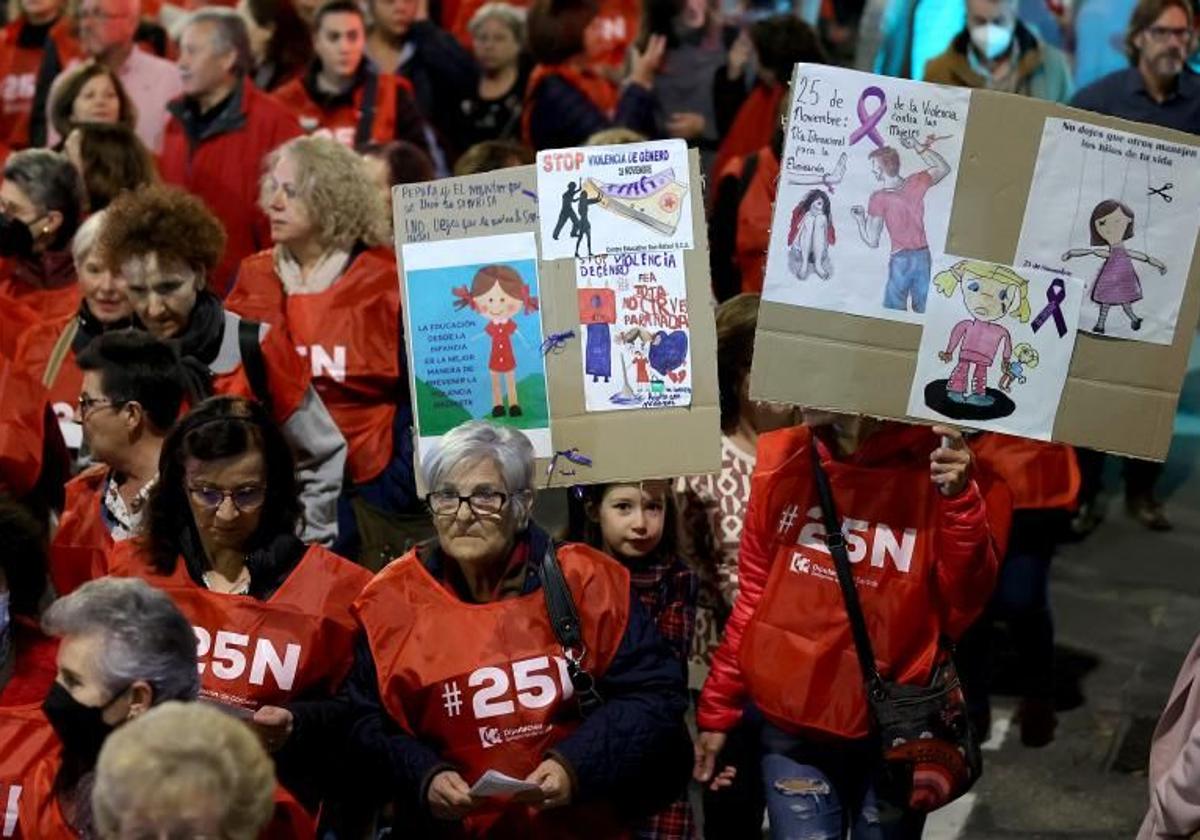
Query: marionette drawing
x,y
1117,283
1024,358
810,236
498,294
992,295
899,207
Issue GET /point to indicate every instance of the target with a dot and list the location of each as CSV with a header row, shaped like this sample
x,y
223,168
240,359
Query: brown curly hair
x,y
166,221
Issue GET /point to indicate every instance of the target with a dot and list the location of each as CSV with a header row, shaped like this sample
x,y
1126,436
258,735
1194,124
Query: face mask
x,y
16,240
81,728
992,39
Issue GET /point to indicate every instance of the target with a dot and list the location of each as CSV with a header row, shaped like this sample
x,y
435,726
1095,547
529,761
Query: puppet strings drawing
x,y
810,235
498,294
1117,284
654,201
991,294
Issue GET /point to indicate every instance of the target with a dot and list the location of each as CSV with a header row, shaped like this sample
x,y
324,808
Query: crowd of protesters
x,y
225,610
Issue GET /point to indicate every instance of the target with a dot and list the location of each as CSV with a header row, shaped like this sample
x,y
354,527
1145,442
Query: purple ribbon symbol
x,y
1055,296
867,122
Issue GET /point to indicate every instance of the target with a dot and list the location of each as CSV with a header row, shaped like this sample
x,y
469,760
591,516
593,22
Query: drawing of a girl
x,y
990,292
498,294
1117,284
810,236
1025,357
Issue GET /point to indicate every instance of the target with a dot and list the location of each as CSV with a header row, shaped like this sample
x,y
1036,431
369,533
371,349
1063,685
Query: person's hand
x,y
950,463
1160,265
706,749
907,141
644,63
273,726
858,212
944,356
740,53
555,782
449,796
686,124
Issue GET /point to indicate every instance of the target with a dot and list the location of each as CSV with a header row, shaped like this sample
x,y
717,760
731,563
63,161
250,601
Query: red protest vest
x,y
1041,476
18,78
600,91
350,335
797,655
753,126
754,216
25,740
287,375
341,123
498,697
263,653
83,538
33,350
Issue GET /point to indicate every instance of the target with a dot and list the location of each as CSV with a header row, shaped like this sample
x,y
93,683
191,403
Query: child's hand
x,y
1160,265
950,463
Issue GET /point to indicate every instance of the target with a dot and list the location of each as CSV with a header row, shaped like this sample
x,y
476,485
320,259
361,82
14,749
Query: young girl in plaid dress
x,y
635,524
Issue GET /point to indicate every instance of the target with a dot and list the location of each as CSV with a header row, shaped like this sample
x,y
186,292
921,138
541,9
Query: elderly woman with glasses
x,y
272,615
464,671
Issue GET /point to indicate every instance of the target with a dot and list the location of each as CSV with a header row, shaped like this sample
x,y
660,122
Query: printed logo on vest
x,y
494,736
881,543
324,364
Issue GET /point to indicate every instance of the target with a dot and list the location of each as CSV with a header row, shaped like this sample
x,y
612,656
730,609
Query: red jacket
x,y
925,566
754,125
19,67
754,216
224,165
22,429
34,349
83,537
343,121
1041,476
351,337
25,735
46,285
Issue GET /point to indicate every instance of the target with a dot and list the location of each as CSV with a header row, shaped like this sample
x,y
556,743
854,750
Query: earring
x,y
45,230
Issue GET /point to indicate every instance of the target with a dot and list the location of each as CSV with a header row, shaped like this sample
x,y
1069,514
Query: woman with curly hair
x,y
166,243
331,278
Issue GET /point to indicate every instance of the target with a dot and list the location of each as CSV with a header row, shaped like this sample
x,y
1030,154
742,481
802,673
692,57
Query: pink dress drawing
x,y
980,341
1117,283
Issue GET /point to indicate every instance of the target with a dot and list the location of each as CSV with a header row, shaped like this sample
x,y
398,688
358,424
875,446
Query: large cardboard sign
x,y
1120,395
672,425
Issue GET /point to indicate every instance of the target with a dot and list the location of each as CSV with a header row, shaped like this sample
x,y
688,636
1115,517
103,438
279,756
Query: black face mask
x,y
16,239
81,728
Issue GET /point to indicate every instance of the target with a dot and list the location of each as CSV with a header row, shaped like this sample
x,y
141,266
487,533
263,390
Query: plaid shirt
x,y
667,588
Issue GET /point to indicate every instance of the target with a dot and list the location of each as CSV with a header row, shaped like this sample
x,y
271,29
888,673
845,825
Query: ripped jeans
x,y
821,791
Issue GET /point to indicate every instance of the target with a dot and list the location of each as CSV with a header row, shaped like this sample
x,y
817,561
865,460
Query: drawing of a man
x,y
567,212
899,205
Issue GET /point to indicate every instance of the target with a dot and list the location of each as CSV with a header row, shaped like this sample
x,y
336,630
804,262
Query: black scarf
x,y
91,328
269,565
199,344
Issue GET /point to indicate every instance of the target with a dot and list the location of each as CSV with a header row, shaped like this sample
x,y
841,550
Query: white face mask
x,y
992,39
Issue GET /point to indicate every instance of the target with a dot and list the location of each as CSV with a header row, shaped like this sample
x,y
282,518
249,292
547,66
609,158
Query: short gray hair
x,y
229,34
145,636
86,237
508,14
478,440
51,182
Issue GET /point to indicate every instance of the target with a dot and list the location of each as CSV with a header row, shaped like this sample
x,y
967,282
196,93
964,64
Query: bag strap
x,y
58,354
841,560
366,114
564,619
749,168
252,360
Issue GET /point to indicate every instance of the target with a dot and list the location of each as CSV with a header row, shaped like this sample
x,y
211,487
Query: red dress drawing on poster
x,y
498,293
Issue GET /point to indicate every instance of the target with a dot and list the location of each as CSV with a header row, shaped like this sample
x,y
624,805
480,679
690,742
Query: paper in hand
x,y
493,784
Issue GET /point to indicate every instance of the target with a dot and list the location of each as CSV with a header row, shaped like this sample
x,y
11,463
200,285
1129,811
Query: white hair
x,y
511,16
145,636
86,237
478,440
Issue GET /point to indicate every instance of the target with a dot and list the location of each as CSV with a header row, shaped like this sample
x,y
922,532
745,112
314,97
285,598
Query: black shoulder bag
x,y
930,751
253,362
564,619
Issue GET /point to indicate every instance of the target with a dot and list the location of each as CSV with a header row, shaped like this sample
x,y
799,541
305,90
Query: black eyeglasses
x,y
86,404
1162,33
246,499
481,502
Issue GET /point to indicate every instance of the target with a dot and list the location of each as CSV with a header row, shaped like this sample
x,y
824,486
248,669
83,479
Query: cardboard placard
x,y
622,445
1120,396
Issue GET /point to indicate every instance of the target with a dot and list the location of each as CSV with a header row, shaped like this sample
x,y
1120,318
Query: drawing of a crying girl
x,y
499,294
810,236
1117,284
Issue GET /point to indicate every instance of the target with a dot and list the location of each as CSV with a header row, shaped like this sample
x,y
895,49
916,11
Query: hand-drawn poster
x,y
633,317
865,190
475,336
1120,212
614,199
996,347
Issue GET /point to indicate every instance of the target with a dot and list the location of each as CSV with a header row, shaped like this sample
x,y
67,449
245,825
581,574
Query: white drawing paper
x,y
1119,211
634,325
493,783
614,199
996,347
866,185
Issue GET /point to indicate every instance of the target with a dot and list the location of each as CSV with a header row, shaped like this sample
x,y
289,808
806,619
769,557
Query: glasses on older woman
x,y
246,499
481,502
